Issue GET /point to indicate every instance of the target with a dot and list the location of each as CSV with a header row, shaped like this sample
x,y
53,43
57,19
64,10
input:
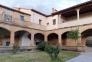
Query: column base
x,y
11,44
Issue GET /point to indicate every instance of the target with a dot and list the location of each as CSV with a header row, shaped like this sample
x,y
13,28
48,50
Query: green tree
x,y
73,34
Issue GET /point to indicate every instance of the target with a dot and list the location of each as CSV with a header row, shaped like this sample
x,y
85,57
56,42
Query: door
x,y
7,43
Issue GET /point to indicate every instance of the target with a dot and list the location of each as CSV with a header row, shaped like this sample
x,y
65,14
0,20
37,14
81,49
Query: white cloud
x,y
44,6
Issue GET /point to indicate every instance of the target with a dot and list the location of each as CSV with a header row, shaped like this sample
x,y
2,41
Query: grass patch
x,y
36,57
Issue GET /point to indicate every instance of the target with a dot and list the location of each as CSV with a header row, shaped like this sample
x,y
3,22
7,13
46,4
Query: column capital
x,y
12,31
78,9
78,13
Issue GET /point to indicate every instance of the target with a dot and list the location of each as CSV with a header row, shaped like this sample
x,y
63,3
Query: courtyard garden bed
x,y
35,57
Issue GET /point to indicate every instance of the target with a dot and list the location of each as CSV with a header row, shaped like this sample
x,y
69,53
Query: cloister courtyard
x,y
35,57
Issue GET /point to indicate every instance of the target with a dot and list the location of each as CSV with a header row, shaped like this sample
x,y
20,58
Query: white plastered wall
x,y
35,18
50,21
24,40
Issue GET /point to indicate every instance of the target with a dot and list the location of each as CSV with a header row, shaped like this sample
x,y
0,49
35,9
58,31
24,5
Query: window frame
x,y
21,15
40,22
54,21
47,24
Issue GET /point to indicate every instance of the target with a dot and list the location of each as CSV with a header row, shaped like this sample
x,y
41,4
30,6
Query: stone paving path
x,y
86,57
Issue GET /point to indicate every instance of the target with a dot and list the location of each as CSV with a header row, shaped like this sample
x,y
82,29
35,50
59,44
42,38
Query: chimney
x,y
53,10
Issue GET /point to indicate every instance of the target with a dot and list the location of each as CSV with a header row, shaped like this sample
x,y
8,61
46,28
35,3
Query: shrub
x,y
42,45
15,49
52,50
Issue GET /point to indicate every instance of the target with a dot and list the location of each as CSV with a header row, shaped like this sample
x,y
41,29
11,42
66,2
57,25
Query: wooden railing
x,y
16,21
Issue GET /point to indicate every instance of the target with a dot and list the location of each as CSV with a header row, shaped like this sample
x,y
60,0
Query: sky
x,y
44,6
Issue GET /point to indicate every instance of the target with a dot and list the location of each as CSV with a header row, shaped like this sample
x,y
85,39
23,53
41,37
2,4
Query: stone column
x,y
59,39
32,40
79,43
12,38
78,14
58,19
78,19
46,38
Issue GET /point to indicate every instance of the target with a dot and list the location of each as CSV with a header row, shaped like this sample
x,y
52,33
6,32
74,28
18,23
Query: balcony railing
x,y
18,22
68,24
37,26
82,21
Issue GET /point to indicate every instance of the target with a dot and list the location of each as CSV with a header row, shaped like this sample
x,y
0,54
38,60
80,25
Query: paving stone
x,y
86,57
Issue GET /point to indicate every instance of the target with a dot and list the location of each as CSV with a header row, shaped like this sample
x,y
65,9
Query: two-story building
x,y
28,27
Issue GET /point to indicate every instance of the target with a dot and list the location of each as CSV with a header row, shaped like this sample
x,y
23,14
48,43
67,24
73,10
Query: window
x,y
40,21
54,21
22,17
63,21
47,24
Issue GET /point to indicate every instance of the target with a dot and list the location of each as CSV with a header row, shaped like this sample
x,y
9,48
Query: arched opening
x,y
66,41
64,38
38,37
86,38
22,38
53,38
4,37
89,41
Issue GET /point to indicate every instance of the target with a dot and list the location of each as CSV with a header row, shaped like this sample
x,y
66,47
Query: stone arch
x,y
41,32
38,37
47,33
22,38
4,36
5,28
85,37
66,41
65,31
64,38
23,30
53,38
84,28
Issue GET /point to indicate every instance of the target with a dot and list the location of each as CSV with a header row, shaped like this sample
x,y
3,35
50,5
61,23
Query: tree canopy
x,y
73,34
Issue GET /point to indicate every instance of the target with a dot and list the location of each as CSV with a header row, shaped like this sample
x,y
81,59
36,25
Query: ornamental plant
x,y
15,49
52,50
73,34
